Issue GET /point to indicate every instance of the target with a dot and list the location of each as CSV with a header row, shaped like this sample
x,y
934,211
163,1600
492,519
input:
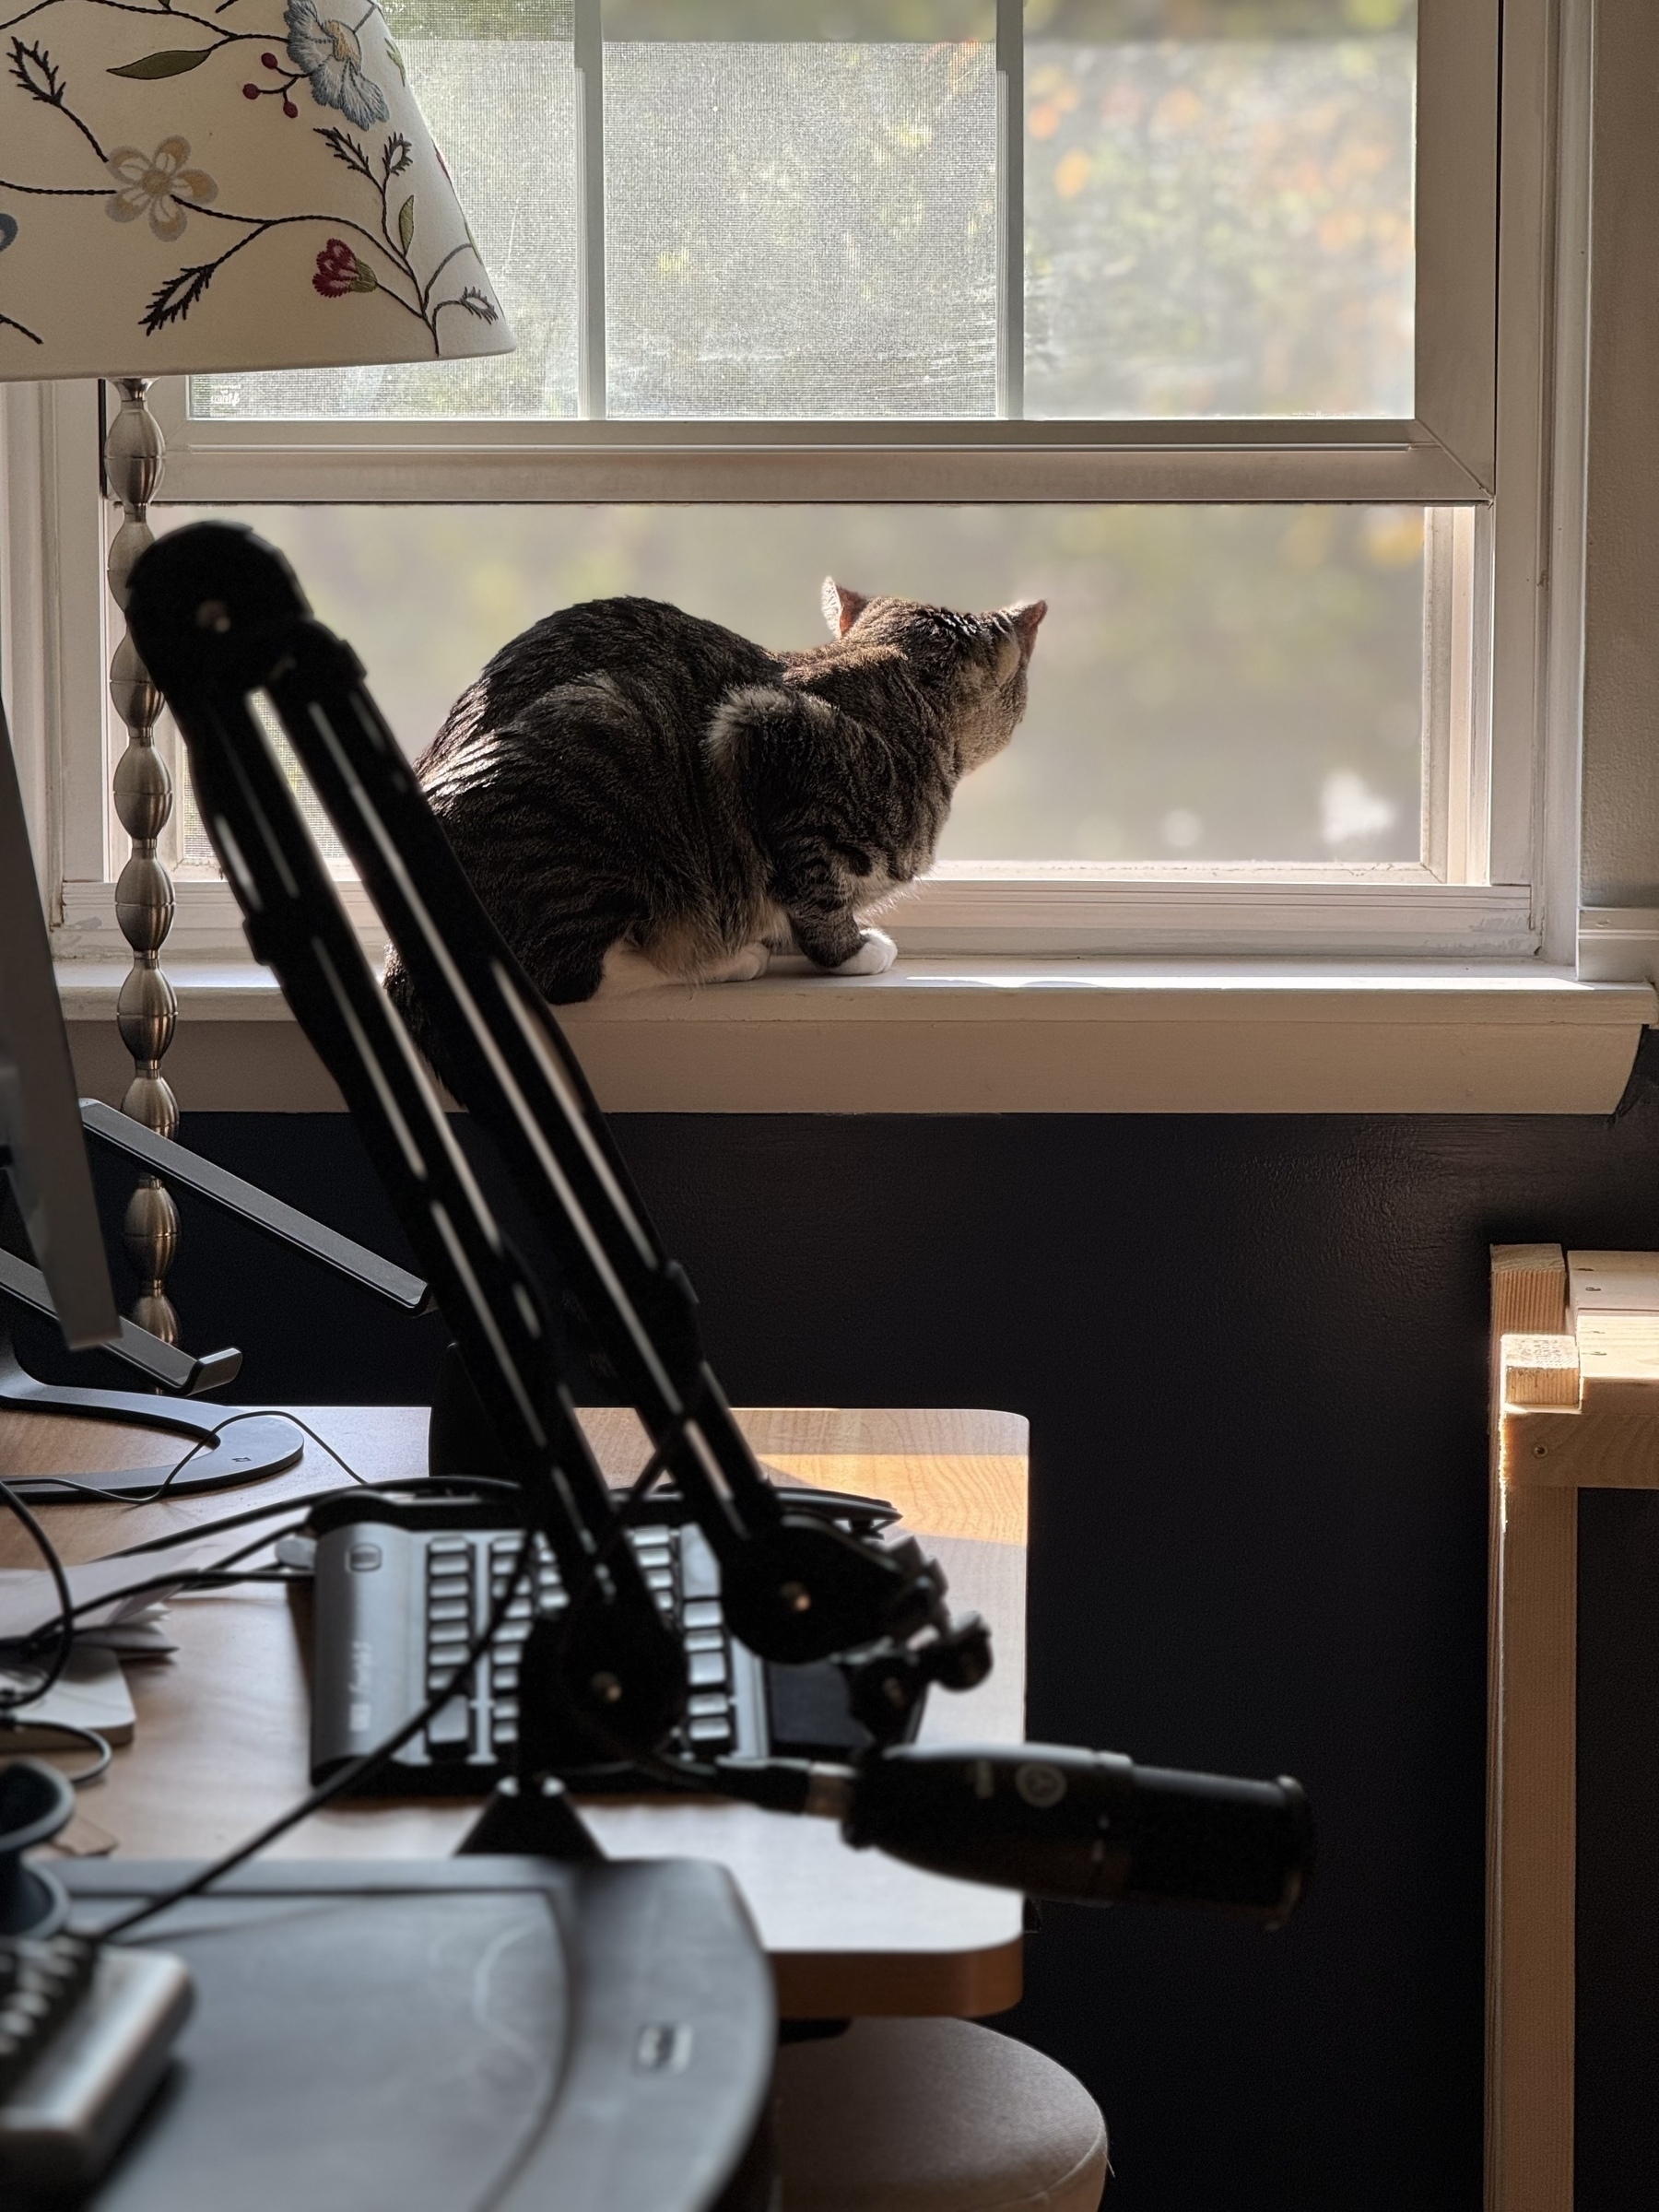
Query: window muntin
x,y
1212,684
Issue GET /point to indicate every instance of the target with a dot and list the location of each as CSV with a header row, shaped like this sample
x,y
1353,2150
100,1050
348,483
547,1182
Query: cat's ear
x,y
1025,616
842,607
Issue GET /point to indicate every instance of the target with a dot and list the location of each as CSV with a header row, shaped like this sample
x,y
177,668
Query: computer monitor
x,y
41,1139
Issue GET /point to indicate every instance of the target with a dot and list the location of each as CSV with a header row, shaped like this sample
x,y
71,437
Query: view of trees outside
x,y
801,206
822,243
1211,683
800,221
1219,225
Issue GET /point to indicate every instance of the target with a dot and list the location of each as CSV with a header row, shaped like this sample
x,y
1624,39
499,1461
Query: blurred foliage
x,y
1213,227
903,22
493,19
1211,683
1219,228
823,243
801,203
1108,22
870,20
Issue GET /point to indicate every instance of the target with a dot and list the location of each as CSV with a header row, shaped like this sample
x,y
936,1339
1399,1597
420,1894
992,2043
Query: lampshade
x,y
230,186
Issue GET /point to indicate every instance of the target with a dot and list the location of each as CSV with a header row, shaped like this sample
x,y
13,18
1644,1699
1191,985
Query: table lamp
x,y
234,186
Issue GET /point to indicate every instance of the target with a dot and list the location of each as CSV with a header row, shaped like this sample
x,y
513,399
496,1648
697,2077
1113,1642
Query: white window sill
x,y
983,1035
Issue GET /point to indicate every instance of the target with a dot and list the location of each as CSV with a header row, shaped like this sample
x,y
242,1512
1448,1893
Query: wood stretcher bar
x,y
1575,1406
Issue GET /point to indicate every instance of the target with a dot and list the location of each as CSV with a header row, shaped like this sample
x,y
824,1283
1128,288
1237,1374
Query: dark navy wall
x,y
1253,1353
1617,2140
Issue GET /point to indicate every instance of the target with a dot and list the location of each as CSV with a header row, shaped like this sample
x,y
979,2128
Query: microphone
x,y
1090,1827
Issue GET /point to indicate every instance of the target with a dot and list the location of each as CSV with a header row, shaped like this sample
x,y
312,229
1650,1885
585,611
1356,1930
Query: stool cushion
x,y
934,2116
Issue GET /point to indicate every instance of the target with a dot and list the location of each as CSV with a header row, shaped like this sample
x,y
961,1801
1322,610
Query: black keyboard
x,y
402,1586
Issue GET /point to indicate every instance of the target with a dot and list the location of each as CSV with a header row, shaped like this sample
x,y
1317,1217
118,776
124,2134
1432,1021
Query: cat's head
x,y
972,666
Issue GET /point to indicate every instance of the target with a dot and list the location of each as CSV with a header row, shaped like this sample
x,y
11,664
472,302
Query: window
x,y
1181,312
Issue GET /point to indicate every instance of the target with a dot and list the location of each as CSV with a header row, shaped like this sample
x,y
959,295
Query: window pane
x,y
1219,208
801,228
1211,683
496,84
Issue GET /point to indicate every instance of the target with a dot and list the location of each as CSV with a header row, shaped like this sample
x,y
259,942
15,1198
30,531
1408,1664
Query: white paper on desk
x,y
28,1598
91,1692
144,1638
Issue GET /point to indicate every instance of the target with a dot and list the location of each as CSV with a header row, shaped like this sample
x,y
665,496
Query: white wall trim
x,y
992,1036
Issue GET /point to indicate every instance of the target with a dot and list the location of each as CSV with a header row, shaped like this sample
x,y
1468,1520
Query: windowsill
x,y
979,1034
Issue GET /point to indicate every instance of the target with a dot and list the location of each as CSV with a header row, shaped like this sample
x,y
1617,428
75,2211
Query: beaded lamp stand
x,y
148,1009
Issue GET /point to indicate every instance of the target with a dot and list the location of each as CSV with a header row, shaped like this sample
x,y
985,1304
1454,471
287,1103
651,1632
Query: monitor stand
x,y
246,1451
251,1444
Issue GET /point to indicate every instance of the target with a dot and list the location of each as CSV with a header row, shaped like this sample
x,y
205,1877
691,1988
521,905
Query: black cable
x,y
354,1771
13,1701
245,1412
305,1503
345,1777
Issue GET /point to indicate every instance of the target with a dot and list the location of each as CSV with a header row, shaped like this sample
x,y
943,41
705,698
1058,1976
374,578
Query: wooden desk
x,y
222,1737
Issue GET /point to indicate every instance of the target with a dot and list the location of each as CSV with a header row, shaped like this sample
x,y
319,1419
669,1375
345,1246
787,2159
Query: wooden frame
x,y
1575,1369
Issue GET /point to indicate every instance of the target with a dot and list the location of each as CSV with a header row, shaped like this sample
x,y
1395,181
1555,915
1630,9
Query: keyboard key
x,y
700,1571
503,1679
710,1735
706,1669
702,1613
705,1640
504,1734
704,1702
447,1608
449,1732
449,1547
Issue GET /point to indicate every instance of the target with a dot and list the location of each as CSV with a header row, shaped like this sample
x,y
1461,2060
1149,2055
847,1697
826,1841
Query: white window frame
x,y
1501,330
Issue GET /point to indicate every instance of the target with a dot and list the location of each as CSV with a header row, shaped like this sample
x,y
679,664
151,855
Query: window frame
x,y
1501,365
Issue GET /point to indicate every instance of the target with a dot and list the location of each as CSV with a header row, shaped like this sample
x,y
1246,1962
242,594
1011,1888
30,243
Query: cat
x,y
628,785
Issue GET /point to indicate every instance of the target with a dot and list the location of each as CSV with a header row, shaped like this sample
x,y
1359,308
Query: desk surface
x,y
222,1737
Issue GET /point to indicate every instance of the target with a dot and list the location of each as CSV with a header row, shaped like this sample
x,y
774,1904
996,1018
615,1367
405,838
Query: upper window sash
x,y
1446,452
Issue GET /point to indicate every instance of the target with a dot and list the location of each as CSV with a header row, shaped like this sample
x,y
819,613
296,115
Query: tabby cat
x,y
629,788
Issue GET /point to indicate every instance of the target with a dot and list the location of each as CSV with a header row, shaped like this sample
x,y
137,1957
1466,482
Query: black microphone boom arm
x,y
218,617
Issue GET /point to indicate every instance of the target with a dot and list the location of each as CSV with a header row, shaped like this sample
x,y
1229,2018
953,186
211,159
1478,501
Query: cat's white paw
x,y
741,967
873,957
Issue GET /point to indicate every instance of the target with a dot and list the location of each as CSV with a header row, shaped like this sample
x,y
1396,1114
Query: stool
x,y
934,2116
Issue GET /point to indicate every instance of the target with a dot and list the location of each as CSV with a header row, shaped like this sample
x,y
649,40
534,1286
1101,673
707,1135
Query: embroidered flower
x,y
153,184
329,54
339,271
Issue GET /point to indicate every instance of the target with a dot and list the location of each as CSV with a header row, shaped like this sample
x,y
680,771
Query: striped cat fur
x,y
638,795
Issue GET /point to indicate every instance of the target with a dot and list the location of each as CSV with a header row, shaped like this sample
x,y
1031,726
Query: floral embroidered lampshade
x,y
239,185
